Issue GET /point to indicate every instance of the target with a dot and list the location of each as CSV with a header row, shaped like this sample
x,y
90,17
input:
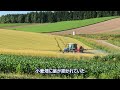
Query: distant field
x,y
52,27
111,26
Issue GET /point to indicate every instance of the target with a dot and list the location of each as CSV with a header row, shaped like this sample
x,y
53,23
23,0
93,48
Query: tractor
x,y
72,47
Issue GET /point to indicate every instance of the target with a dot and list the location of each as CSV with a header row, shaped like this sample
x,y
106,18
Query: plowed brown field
x,y
110,26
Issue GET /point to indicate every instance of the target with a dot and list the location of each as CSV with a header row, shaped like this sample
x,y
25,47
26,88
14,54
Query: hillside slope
x,y
53,27
110,26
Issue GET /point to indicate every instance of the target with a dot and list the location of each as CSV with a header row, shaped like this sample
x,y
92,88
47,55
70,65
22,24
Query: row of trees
x,y
54,16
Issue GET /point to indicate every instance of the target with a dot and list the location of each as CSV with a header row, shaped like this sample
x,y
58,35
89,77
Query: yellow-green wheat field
x,y
29,43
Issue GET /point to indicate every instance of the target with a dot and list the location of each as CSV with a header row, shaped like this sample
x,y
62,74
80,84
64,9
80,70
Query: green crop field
x,y
5,25
59,26
107,67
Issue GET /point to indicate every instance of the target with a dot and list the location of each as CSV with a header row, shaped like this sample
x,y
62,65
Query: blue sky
x,y
13,12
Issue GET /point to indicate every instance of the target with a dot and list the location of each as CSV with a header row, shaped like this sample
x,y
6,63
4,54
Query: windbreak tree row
x,y
54,16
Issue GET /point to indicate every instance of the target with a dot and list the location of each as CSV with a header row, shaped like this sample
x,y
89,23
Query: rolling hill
x,y
53,27
111,26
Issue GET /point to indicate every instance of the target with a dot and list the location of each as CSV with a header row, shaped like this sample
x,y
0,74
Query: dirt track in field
x,y
108,44
103,27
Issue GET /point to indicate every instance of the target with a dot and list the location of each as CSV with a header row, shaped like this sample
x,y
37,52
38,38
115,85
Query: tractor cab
x,y
71,47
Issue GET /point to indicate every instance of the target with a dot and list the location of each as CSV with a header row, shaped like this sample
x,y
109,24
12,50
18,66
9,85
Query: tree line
x,y
55,16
